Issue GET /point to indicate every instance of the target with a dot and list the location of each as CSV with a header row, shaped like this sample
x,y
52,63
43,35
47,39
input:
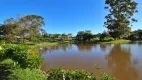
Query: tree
x,y
104,35
31,26
70,36
120,16
1,31
137,34
26,27
79,36
64,36
88,35
10,30
84,35
57,36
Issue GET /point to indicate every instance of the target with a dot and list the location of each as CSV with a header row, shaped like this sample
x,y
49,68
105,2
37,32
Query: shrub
x,y
17,64
60,74
6,67
33,61
19,53
27,74
2,42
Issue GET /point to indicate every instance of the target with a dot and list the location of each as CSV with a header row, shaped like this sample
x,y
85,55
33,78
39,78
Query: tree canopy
x,y
84,35
29,27
119,19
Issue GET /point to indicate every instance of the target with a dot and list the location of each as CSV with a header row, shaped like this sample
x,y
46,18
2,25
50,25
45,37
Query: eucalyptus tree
x,y
10,30
31,26
119,19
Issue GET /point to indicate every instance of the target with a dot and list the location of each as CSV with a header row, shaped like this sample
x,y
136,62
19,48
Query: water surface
x,y
121,61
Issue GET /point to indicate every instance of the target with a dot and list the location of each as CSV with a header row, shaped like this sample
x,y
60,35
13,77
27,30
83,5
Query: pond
x,y
123,61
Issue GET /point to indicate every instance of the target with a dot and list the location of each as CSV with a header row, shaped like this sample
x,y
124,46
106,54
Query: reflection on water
x,y
121,61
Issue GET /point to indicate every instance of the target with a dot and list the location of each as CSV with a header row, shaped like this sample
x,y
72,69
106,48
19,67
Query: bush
x,y
19,53
6,68
27,74
33,62
17,64
2,42
60,74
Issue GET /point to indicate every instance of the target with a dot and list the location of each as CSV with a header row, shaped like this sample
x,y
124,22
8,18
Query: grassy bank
x,y
35,47
121,41
114,41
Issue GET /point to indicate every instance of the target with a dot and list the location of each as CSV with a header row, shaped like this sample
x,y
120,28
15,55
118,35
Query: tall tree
x,y
10,30
31,26
120,15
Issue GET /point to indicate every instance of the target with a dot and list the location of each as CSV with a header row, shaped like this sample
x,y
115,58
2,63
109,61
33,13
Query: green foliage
x,y
84,36
9,62
6,68
104,35
105,76
11,30
120,16
26,74
10,70
33,62
2,42
35,38
23,28
136,35
17,64
60,74
19,53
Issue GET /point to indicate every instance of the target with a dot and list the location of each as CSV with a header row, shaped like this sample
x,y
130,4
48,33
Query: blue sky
x,y
64,16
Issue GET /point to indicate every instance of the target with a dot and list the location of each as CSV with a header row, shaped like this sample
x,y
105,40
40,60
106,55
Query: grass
x,y
35,47
121,41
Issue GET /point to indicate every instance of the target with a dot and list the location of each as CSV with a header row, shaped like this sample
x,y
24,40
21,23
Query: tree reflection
x,y
65,46
119,61
85,47
104,47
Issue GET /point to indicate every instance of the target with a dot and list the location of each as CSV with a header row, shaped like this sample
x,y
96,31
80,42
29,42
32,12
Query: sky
x,y
64,16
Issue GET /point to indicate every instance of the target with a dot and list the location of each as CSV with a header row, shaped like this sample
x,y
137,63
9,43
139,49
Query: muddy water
x,y
121,61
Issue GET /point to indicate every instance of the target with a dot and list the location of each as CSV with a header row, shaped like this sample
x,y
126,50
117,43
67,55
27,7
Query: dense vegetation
x,y
25,28
15,61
